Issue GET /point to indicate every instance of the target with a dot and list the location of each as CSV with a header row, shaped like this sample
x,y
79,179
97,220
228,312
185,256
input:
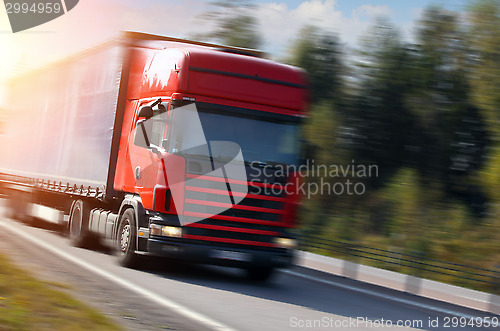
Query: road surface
x,y
166,295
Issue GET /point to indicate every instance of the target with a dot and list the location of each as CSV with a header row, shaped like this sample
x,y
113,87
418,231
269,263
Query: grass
x,y
30,304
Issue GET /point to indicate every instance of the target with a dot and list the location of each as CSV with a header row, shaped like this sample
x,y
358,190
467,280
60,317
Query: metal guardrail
x,y
480,278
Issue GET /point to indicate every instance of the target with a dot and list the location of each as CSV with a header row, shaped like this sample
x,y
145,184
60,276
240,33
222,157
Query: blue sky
x,y
399,6
402,8
350,19
349,5
93,21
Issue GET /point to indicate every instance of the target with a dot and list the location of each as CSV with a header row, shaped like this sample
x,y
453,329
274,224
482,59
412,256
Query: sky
x,y
94,21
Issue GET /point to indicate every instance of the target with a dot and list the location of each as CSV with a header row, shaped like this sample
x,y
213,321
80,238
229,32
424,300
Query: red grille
x,y
253,221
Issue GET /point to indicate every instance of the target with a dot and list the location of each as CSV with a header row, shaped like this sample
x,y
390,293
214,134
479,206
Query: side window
x,y
151,125
159,124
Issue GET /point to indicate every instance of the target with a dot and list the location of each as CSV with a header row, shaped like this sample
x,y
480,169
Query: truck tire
x,y
260,273
126,240
78,224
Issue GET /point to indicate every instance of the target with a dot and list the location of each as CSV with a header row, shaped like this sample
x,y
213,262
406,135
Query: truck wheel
x,y
260,273
126,240
78,231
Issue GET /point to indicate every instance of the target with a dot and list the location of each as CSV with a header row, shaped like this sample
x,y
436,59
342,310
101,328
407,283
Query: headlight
x,y
288,243
166,231
171,231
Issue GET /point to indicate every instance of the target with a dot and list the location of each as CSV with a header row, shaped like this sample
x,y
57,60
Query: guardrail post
x,y
414,282
350,268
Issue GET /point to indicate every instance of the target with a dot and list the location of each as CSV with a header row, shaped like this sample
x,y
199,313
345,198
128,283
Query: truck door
x,y
146,148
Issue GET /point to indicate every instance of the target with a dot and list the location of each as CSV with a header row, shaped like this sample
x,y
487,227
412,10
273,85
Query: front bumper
x,y
220,255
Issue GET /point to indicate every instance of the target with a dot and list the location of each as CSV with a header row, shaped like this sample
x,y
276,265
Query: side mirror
x,y
162,109
145,111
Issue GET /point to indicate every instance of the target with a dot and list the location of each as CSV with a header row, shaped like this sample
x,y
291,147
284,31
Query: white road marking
x,y
380,295
182,310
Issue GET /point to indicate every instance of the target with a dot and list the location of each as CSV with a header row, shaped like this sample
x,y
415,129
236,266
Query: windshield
x,y
261,139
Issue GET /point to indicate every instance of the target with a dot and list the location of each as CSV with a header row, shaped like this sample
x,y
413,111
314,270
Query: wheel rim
x,y
125,236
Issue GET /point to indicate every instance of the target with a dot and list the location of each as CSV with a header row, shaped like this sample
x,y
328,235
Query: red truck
x,y
160,146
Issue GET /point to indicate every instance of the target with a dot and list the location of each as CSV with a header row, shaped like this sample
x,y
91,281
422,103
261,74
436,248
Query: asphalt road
x,y
166,295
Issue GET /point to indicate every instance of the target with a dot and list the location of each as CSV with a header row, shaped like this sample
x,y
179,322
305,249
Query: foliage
x,y
485,71
232,24
320,55
385,129
485,82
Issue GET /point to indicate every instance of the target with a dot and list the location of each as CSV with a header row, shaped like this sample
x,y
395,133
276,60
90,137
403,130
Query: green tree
x,y
484,37
383,130
320,54
232,24
442,100
455,135
485,42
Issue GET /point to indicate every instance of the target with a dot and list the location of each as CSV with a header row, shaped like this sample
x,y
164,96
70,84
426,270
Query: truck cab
x,y
211,155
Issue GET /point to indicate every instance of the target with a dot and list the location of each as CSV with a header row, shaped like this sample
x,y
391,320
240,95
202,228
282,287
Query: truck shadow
x,y
284,288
